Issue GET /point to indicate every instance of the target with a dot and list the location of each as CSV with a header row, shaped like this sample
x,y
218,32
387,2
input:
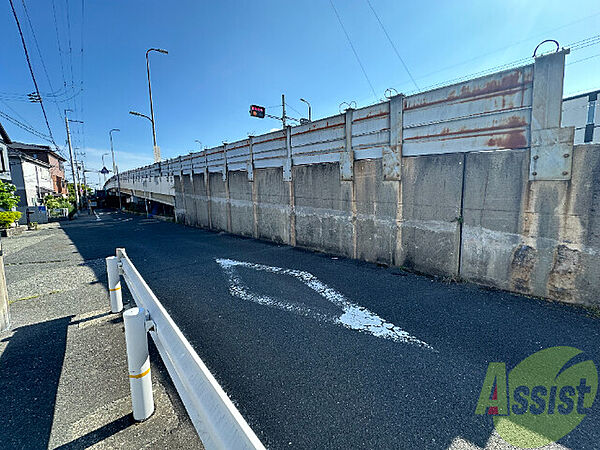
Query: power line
x,y
25,126
40,54
545,33
69,40
583,59
287,104
16,113
574,46
393,45
353,49
37,90
81,71
60,52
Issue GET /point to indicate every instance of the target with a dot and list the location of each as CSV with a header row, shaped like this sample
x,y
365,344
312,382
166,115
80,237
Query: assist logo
x,y
543,398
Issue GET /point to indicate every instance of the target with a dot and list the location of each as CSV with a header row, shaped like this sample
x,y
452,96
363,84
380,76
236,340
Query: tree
x,y
8,199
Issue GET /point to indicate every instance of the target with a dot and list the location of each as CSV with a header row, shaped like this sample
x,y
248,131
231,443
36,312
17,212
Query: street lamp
x,y
135,113
309,109
199,142
115,168
156,149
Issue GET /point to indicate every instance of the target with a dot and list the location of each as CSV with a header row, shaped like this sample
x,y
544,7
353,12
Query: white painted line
x,y
353,316
495,442
97,216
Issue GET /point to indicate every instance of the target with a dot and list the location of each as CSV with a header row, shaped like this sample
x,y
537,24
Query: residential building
x,y
4,164
31,177
45,154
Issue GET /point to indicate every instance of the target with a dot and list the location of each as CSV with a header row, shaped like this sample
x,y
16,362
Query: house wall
x,y
27,176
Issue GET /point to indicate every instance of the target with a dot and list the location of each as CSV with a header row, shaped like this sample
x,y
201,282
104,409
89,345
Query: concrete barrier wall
x,y
477,180
476,216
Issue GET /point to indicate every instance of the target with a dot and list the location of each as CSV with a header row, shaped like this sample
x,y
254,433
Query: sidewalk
x,y
63,368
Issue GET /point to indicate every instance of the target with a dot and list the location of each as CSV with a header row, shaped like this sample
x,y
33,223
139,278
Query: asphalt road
x,y
354,355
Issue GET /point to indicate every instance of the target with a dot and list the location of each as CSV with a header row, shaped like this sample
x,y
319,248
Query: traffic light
x,y
257,111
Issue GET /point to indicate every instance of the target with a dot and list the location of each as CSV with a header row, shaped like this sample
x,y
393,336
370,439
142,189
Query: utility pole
x,y
283,113
85,188
115,167
72,163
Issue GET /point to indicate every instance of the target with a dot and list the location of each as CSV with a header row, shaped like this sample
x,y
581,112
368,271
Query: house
x,y
4,165
45,154
33,182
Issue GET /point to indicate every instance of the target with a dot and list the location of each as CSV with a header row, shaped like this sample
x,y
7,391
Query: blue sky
x,y
223,56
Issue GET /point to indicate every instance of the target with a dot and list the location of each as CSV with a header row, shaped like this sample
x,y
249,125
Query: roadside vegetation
x,y
8,201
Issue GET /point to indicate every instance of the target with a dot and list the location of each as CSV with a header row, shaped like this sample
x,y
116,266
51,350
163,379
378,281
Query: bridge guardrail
x,y
217,421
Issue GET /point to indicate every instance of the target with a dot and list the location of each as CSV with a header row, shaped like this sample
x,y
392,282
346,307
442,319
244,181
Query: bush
x,y
8,199
8,217
57,202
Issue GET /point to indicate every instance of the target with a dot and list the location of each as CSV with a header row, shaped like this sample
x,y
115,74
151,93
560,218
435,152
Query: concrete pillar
x,y
226,179
551,152
392,154
347,156
250,167
207,184
254,188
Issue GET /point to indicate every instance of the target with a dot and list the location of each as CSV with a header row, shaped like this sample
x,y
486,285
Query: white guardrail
x,y
217,421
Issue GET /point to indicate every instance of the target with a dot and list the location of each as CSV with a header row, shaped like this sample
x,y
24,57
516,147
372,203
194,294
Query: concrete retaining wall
x,y
476,180
472,215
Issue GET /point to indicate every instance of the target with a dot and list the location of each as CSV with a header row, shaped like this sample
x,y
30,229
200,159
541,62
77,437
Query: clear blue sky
x,y
223,56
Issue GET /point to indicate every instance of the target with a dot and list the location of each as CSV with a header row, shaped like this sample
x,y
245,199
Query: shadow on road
x,y
93,437
30,369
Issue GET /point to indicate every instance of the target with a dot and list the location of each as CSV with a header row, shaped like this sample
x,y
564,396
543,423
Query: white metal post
x,y
114,284
138,361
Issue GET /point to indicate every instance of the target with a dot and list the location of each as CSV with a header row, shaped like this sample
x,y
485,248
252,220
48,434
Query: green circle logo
x,y
543,398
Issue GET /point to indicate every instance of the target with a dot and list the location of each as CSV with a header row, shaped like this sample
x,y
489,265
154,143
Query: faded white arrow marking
x,y
353,316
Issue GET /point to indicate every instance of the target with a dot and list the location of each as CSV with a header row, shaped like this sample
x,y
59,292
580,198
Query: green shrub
x,y
57,202
8,217
8,199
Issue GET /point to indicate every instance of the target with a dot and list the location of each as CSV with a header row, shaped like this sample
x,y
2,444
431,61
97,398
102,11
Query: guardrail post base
x,y
114,284
138,362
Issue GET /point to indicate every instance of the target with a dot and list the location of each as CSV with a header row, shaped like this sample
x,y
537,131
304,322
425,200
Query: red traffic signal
x,y
257,111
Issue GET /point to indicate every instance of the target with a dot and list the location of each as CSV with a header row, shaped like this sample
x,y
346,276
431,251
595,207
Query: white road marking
x,y
495,442
353,316
97,216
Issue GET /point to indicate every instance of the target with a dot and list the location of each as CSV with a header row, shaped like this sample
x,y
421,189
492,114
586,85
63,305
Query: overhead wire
x,y
291,107
392,44
37,46
353,49
583,59
25,126
60,51
37,90
16,113
574,46
509,46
